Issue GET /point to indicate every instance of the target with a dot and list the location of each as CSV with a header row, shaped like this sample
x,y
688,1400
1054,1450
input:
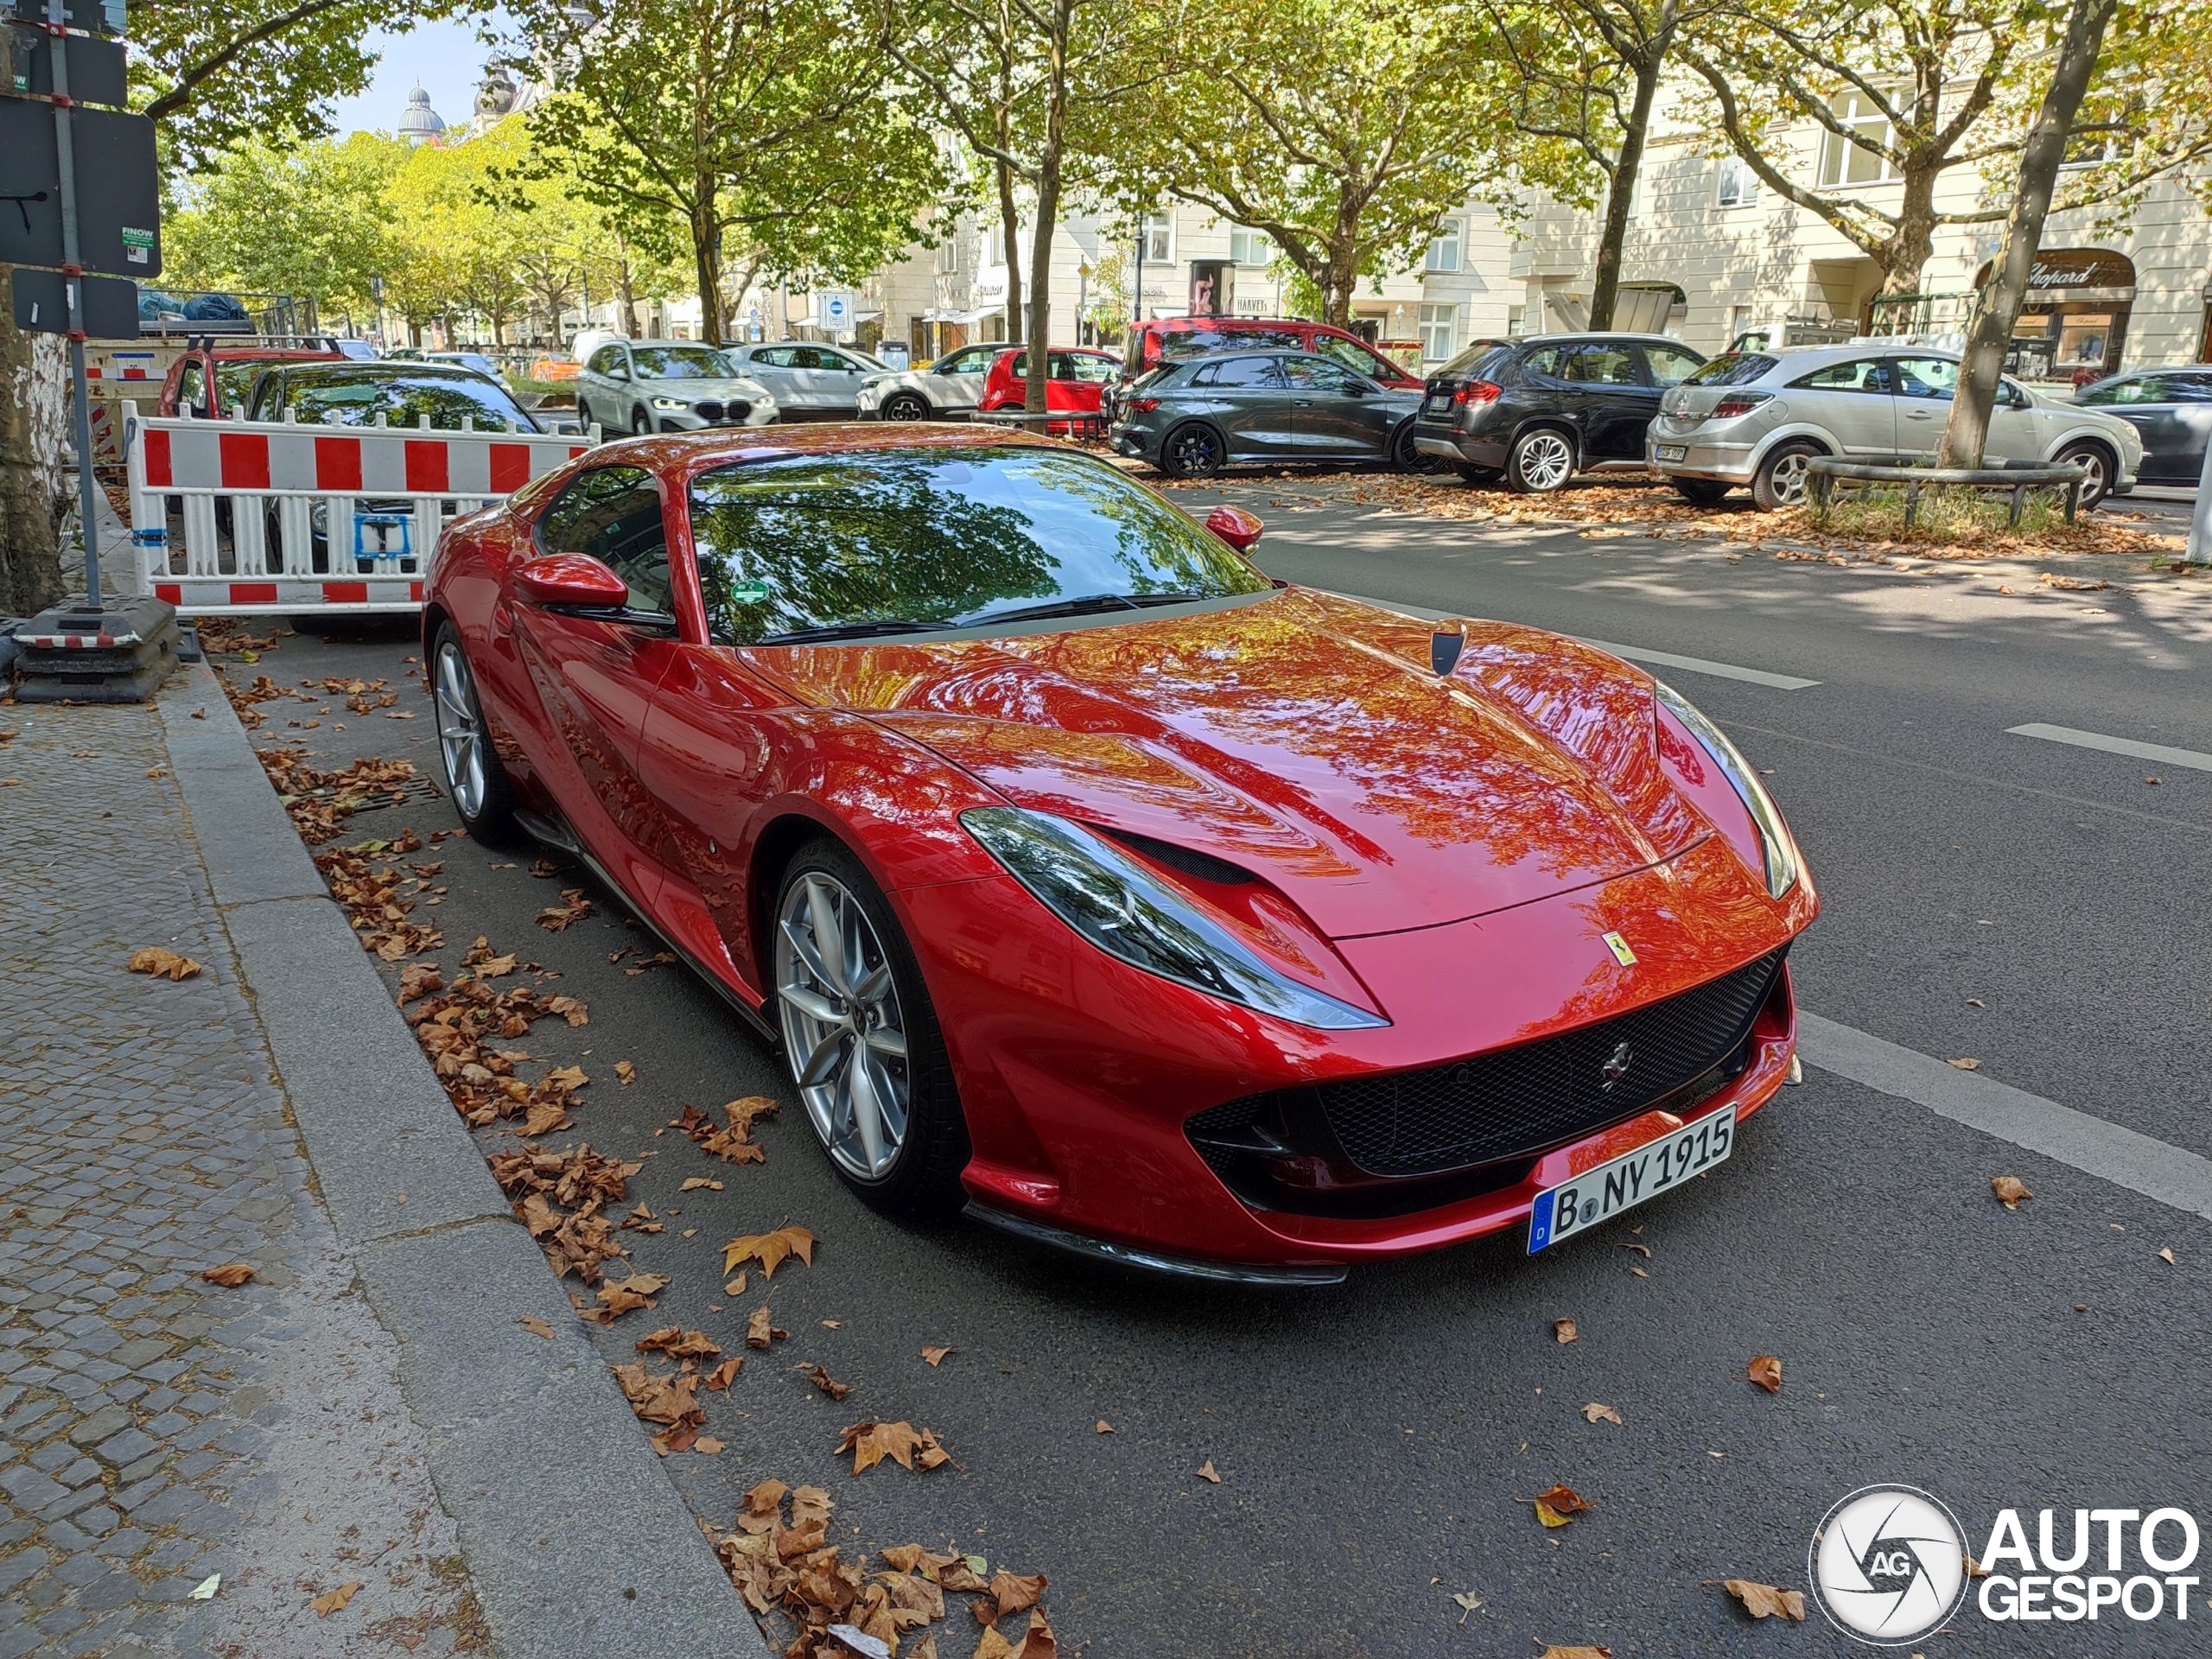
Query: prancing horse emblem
x,y
1616,1066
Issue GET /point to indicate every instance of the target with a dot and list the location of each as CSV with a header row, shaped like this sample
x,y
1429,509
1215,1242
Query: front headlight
x,y
1113,902
1775,843
670,402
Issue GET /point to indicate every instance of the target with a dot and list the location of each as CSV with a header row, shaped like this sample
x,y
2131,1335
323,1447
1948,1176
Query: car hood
x,y
1304,737
720,388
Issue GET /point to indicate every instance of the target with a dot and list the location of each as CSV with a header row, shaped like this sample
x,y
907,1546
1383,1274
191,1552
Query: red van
x,y
1163,338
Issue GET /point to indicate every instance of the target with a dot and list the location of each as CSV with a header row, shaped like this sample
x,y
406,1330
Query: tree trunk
x,y
626,284
705,259
1620,186
1048,209
34,444
1906,255
1010,244
1997,305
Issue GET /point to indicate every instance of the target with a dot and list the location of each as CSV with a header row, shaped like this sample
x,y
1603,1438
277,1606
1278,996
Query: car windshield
x,y
235,382
1730,369
405,399
938,537
680,362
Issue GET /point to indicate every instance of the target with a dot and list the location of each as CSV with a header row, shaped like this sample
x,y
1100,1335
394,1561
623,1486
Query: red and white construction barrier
x,y
230,517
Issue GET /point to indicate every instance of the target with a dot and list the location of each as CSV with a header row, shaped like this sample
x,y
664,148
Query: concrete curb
x,y
577,1540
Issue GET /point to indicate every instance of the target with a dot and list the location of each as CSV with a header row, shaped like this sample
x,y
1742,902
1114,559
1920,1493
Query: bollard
x,y
2200,522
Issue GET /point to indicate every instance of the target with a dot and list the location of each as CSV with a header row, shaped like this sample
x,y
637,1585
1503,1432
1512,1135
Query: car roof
x,y
693,452
1598,334
275,354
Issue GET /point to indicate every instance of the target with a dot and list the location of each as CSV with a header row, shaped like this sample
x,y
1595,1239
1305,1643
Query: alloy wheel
x,y
1192,454
1789,476
906,407
842,1024
1546,460
460,730
2095,479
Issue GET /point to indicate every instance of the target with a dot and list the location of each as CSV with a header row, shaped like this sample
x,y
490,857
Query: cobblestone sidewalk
x,y
156,1430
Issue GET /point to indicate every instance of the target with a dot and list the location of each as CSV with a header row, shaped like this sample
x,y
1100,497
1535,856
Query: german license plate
x,y
1671,451
1600,1194
1434,400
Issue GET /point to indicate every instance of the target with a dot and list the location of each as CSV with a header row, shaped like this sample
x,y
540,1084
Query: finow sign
x,y
2146,1561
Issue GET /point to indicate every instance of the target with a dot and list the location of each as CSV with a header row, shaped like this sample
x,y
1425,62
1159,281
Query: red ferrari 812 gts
x,y
1091,879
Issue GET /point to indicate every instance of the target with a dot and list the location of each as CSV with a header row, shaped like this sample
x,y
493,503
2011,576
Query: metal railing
x,y
1823,473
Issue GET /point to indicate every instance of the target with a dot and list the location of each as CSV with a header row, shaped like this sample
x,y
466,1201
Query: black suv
x,y
1537,411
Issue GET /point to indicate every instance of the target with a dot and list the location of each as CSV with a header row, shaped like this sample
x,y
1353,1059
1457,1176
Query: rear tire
x,y
857,1043
2095,461
476,782
1192,450
1780,480
1407,458
1540,462
1701,492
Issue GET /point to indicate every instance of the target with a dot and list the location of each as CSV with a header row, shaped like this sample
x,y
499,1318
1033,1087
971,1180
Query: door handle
x,y
1919,415
1301,402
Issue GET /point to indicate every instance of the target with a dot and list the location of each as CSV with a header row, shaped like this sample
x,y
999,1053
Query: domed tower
x,y
420,123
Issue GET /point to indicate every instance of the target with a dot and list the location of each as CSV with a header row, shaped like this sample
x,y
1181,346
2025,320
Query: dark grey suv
x,y
1537,411
1193,417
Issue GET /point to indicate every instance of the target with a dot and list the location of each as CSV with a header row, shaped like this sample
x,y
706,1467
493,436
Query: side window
x,y
192,389
1595,365
1547,360
969,359
1247,373
1312,374
613,513
1925,377
2188,387
775,357
1858,374
1670,365
1096,371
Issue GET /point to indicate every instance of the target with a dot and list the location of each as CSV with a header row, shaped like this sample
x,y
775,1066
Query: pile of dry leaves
x,y
320,801
778,1555
459,1026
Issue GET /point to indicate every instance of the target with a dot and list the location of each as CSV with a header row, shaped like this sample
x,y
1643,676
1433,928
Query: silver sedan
x,y
1756,417
668,385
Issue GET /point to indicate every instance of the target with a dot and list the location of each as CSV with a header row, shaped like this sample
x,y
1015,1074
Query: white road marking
x,y
1634,653
2158,751
2168,1174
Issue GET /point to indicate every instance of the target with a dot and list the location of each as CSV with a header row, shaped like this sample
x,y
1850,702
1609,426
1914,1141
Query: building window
x,y
1444,248
948,254
1740,186
1516,321
1157,234
1848,161
1436,332
1250,247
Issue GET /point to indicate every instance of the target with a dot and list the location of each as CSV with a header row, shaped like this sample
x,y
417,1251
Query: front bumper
x,y
708,416
1080,1075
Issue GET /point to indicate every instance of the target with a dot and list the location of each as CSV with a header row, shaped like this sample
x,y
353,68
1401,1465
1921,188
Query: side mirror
x,y
1235,526
571,580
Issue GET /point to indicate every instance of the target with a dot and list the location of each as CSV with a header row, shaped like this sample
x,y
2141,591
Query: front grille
x,y
1516,1102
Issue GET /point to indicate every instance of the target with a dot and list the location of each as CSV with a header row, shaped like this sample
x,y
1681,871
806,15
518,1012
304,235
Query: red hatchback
x,y
1091,879
1077,377
212,382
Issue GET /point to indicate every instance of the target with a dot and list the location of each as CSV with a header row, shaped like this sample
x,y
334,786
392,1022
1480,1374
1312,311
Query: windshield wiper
x,y
852,631
1082,605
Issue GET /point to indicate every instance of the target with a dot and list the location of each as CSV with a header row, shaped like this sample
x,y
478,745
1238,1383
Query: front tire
x,y
905,406
640,423
1541,461
2094,460
1192,450
476,782
861,1037
583,414
1780,481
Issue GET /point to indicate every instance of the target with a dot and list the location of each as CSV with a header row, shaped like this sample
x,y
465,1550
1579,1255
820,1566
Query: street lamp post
x,y
1136,309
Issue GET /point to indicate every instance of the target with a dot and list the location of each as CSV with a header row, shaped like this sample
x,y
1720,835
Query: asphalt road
x,y
2034,905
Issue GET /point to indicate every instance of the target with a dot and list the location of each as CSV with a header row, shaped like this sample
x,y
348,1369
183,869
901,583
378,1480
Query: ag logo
x,y
1888,1565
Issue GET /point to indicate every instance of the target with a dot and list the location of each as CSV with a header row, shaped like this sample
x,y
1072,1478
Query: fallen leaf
x,y
535,1326
771,1250
706,1445
2010,1191
1644,1250
1765,1600
1015,1594
1593,1411
1558,1504
1965,1064
1549,1516
994,1646
935,1355
1103,1427
163,964
331,1601
1207,1471
735,1287
759,1333
2167,1257
693,1183
904,1445
724,1374
1639,1272
625,1073
1765,1371
206,1589
231,1275
1466,1601
1576,1653
1564,1331
829,1385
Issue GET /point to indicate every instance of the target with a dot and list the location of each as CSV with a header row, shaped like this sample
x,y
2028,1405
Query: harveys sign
x,y
2063,268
